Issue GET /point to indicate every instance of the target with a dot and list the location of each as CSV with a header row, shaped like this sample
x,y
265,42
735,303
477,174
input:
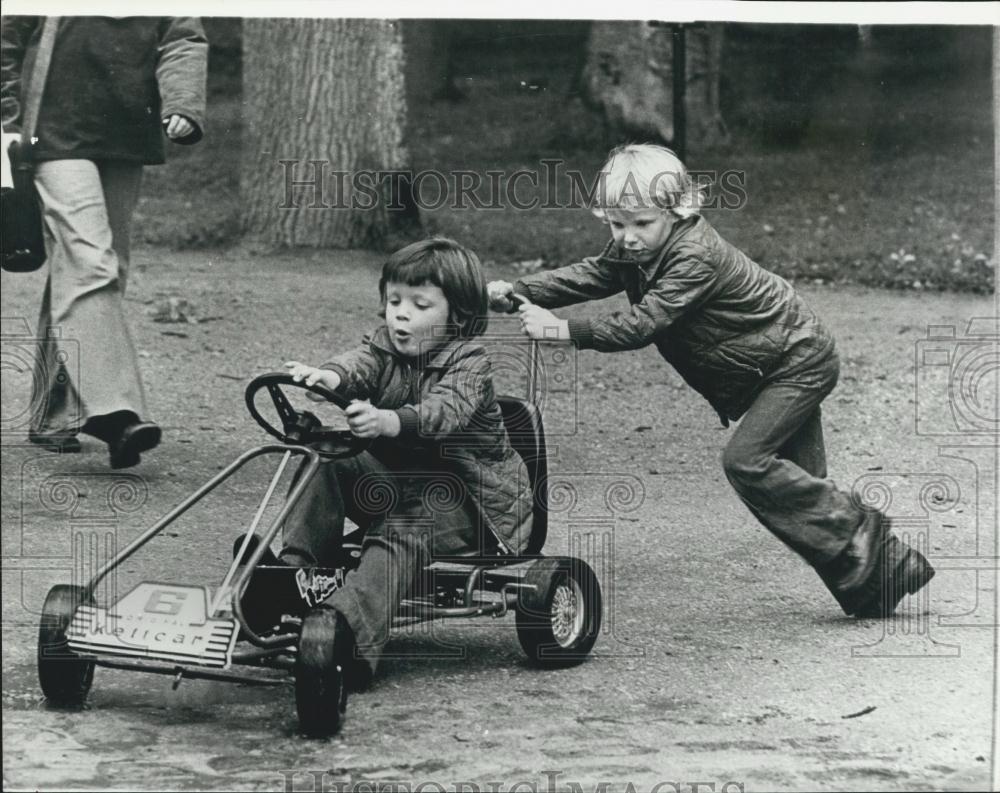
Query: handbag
x,y
23,241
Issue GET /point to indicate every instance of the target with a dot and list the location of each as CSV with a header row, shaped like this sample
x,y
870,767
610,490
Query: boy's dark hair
x,y
451,267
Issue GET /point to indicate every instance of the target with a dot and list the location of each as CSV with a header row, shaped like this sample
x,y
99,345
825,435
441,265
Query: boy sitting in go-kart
x,y
440,477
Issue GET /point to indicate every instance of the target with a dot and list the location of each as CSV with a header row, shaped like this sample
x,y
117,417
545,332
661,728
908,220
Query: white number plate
x,y
164,622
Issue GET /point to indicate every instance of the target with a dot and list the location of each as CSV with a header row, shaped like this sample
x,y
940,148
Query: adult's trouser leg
x,y
85,361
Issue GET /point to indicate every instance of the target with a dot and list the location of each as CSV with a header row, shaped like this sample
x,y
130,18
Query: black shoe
x,y
271,592
134,438
910,573
64,442
853,577
322,671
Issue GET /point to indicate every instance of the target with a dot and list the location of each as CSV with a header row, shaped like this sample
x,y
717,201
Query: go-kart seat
x,y
523,422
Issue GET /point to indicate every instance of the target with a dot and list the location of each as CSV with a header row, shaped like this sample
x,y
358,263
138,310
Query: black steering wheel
x,y
302,427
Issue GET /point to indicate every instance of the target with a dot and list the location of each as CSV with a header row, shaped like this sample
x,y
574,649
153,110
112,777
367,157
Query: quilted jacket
x,y
450,419
111,80
722,321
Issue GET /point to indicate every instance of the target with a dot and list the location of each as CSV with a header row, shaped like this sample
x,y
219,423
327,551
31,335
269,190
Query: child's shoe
x,y
271,591
906,572
853,576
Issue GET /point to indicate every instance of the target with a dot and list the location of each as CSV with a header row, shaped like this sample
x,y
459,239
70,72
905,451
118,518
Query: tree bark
x,y
629,78
324,104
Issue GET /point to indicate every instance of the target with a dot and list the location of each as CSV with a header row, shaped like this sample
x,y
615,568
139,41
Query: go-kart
x,y
191,631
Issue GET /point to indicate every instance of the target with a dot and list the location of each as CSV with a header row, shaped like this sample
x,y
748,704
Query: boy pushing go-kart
x,y
741,337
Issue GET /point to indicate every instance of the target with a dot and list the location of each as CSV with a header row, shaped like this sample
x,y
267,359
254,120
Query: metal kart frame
x,y
460,584
268,648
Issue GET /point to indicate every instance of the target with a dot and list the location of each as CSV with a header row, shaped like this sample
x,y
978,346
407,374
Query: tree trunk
x,y
325,112
629,78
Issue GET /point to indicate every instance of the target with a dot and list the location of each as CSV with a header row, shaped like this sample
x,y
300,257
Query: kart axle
x,y
179,672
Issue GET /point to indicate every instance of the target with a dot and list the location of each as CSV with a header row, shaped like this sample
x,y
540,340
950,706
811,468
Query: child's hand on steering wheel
x,y
311,375
368,421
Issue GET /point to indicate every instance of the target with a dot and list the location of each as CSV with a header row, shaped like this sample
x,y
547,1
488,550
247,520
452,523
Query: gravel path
x,y
723,659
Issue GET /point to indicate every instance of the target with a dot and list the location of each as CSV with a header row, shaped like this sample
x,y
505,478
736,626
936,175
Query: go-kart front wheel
x,y
65,678
320,693
559,612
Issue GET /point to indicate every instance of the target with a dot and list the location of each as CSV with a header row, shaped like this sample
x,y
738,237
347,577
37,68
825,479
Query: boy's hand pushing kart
x,y
187,630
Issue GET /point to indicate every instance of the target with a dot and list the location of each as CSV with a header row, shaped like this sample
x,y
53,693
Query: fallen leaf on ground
x,y
174,309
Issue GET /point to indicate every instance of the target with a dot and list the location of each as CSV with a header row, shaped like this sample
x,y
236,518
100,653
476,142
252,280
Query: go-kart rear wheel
x,y
65,678
320,693
559,612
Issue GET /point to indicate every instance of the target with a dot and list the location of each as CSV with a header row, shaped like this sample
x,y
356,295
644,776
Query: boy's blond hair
x,y
643,175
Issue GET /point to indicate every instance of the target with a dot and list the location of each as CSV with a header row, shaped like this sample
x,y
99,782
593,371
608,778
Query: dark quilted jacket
x,y
724,322
111,81
449,418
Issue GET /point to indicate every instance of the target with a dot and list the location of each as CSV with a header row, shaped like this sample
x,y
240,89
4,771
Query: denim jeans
x,y
776,461
406,515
